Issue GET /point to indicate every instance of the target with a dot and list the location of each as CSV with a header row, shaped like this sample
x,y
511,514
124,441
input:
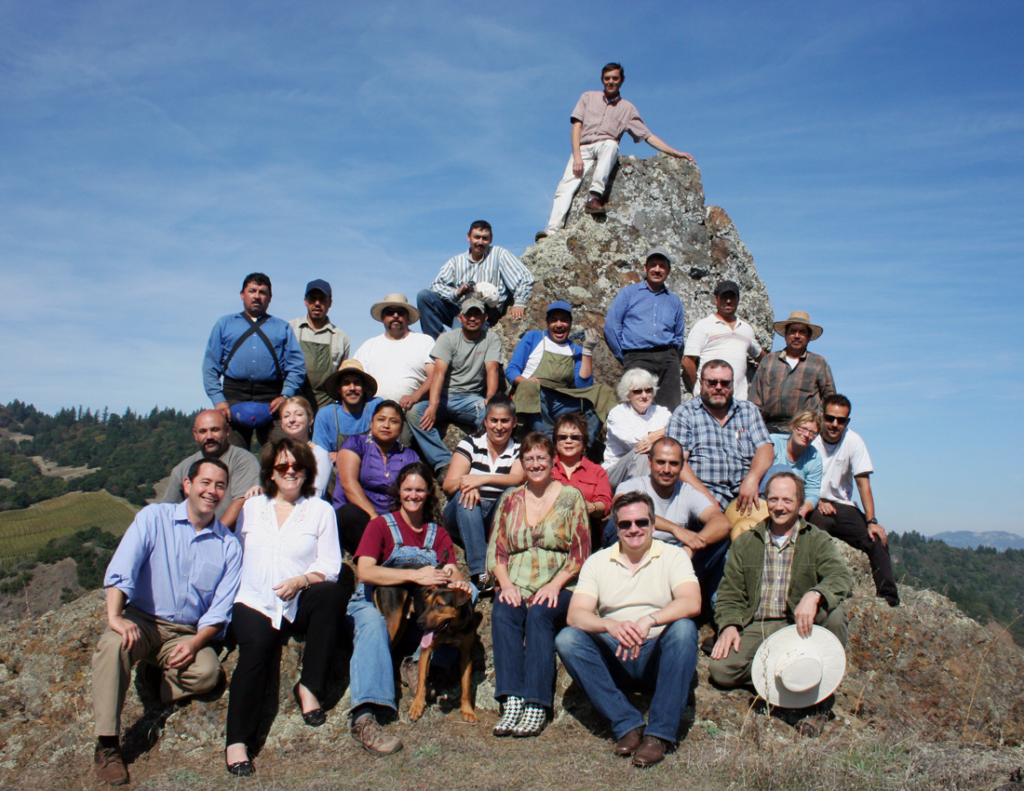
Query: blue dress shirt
x,y
168,569
640,318
253,361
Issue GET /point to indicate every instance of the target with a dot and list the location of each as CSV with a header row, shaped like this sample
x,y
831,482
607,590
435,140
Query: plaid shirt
x,y
782,391
775,578
719,455
498,267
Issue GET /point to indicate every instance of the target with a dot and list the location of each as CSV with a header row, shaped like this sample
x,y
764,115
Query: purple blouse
x,y
375,475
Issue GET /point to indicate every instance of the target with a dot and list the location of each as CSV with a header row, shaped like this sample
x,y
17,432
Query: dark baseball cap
x,y
726,285
319,285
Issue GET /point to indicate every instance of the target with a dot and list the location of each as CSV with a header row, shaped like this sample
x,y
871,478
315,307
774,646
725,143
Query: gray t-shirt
x,y
465,359
683,508
243,474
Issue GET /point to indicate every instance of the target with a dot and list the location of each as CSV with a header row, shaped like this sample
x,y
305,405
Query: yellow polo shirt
x,y
628,596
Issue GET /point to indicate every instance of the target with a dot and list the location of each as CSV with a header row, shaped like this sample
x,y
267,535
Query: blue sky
x,y
870,155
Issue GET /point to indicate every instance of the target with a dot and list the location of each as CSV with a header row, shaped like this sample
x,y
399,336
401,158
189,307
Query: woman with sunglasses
x,y
573,468
290,565
633,426
367,467
537,548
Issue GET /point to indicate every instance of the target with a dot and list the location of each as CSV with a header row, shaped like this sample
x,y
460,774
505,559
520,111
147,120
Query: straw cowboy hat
x,y
333,382
395,301
798,317
741,524
794,672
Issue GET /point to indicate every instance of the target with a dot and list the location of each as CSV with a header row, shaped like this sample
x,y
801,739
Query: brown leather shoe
x,y
627,745
594,206
650,752
372,737
540,235
109,765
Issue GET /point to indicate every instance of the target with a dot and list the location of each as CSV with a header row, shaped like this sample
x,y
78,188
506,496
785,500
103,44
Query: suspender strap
x,y
396,534
254,329
428,542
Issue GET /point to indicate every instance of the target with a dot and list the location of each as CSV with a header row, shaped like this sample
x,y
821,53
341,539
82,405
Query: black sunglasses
x,y
625,524
842,421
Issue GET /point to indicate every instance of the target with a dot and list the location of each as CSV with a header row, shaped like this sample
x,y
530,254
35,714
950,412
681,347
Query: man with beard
x,y
354,391
210,430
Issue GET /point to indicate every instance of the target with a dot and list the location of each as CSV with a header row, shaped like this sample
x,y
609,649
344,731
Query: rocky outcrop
x,y
655,201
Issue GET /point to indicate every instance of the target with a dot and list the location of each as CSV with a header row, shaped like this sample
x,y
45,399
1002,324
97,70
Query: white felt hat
x,y
795,672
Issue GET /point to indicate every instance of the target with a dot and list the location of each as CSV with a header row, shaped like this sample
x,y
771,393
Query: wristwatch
x,y
872,521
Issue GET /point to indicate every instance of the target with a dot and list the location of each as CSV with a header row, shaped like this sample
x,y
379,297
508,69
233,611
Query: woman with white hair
x,y
633,426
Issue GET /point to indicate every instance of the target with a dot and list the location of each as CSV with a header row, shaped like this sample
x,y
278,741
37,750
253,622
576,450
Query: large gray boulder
x,y
655,201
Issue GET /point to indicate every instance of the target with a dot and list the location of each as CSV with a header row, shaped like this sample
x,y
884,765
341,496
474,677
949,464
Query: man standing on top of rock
x,y
464,275
645,327
598,123
323,344
169,588
551,375
259,359
845,461
210,430
793,379
722,335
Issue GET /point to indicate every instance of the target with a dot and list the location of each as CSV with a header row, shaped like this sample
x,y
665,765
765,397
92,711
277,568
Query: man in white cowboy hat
x,y
782,571
323,344
352,391
460,276
794,379
399,359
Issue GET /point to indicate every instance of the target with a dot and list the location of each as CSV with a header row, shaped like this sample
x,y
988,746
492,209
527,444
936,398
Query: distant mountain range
x,y
993,538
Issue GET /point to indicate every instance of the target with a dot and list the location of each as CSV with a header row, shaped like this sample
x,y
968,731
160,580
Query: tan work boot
x,y
367,732
109,765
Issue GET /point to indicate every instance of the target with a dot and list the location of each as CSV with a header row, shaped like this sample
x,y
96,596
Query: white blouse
x,y
307,542
626,427
324,468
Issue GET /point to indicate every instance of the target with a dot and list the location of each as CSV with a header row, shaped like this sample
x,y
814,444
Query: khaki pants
x,y
734,670
112,667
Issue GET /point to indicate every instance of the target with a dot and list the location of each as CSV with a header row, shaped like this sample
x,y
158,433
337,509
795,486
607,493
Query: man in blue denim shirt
x,y
170,587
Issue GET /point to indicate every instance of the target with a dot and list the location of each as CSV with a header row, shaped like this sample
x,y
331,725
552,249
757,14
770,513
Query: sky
x,y
871,155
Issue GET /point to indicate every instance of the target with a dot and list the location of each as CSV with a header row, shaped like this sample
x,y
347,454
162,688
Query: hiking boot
x,y
367,732
409,672
109,765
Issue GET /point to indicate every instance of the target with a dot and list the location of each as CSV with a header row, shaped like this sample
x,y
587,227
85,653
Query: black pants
x,y
849,525
352,522
319,618
665,365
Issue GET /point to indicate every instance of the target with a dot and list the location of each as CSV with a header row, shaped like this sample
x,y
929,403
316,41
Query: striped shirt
x,y
776,577
480,462
608,120
498,267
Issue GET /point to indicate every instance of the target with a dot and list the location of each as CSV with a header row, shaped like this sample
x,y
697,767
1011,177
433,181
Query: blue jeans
x,y
666,663
524,649
552,406
709,566
463,408
470,529
437,314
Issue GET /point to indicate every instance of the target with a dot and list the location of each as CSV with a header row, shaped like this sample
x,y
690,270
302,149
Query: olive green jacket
x,y
817,565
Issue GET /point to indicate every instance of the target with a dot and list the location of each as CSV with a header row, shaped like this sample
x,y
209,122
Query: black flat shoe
x,y
314,718
240,768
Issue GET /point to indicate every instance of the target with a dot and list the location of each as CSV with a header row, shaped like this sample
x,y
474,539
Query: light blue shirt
x,y
639,318
808,467
169,570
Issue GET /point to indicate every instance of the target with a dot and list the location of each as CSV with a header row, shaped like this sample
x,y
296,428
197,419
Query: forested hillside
x,y
132,451
987,584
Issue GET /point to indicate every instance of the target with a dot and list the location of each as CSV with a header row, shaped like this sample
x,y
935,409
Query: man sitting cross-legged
x,y
630,620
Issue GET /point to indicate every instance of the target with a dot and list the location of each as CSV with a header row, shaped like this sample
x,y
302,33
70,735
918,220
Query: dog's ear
x,y
461,596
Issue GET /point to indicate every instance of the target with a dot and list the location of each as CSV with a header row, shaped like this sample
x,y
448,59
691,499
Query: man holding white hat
x,y
782,571
793,379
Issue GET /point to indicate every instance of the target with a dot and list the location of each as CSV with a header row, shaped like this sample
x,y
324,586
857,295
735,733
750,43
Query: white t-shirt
x,y
565,349
399,367
840,463
626,427
713,339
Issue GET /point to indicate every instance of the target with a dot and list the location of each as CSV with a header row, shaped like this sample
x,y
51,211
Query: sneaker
x,y
367,732
483,583
109,765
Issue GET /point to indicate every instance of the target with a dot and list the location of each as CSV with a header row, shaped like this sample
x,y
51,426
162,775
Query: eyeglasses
x,y
625,524
725,384
842,421
569,438
394,312
806,432
284,468
641,390
536,459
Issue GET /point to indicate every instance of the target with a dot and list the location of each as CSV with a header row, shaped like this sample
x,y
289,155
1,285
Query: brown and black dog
x,y
445,616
